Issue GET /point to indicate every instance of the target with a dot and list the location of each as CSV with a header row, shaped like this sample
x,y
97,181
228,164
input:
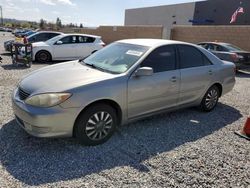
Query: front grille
x,y
22,94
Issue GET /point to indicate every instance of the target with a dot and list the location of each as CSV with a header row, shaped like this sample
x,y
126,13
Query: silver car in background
x,y
125,81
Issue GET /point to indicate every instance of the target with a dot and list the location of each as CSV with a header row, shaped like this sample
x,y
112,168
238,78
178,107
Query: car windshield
x,y
116,58
31,35
231,47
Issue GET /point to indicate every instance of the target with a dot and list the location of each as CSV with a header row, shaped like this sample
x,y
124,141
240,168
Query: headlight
x,y
47,99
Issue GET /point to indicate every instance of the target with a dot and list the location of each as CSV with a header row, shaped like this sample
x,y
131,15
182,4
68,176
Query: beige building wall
x,y
237,35
112,33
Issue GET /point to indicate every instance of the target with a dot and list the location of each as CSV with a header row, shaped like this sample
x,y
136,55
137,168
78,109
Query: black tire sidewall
x,y
81,122
43,61
203,106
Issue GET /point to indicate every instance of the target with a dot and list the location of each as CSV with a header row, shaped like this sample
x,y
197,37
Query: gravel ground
x,y
186,148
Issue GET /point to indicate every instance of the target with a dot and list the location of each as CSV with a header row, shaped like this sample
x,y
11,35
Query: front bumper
x,y
44,122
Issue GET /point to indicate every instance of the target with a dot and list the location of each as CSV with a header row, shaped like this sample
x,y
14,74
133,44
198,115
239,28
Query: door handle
x,y
210,72
173,79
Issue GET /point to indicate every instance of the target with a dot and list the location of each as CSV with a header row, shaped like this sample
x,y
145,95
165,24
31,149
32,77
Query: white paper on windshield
x,y
133,52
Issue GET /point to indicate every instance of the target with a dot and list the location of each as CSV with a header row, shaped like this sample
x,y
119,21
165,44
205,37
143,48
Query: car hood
x,y
62,77
37,44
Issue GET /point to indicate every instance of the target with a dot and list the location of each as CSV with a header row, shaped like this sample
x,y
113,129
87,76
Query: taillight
x,y
235,57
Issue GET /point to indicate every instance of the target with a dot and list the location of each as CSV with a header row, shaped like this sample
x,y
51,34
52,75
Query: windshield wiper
x,y
95,67
99,68
90,65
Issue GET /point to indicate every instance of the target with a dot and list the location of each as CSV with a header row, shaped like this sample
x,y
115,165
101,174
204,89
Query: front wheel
x,y
210,99
43,57
96,125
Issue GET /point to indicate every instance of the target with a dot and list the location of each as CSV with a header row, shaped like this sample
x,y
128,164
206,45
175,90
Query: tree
x,y
81,26
42,23
25,25
51,26
8,24
58,23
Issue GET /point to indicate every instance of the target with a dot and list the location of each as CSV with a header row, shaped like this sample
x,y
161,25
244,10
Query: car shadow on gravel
x,y
6,54
14,67
35,161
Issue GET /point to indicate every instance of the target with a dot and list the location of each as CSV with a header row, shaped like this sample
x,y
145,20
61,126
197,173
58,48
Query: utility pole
x,y
1,15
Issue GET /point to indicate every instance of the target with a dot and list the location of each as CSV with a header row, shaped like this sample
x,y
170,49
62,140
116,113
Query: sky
x,y
88,12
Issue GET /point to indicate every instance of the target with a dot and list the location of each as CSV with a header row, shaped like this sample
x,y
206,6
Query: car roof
x,y
151,42
220,43
81,34
49,32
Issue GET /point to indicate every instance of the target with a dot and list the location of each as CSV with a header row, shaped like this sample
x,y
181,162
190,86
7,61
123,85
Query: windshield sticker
x,y
133,52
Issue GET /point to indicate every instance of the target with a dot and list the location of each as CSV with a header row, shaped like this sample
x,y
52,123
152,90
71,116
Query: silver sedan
x,y
125,81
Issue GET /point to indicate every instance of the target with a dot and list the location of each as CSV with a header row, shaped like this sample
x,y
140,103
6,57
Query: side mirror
x,y
144,71
59,42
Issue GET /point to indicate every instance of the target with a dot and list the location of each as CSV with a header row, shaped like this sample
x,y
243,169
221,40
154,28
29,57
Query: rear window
x,y
231,47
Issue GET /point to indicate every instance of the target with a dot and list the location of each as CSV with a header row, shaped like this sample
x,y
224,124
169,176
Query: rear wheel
x,y
96,125
43,56
210,99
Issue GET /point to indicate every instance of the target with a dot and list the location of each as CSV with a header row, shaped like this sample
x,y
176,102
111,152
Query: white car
x,y
66,47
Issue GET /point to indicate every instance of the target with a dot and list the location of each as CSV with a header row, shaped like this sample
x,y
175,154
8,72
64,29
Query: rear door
x,y
196,73
85,46
147,94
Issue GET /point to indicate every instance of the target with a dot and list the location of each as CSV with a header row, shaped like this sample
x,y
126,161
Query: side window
x,y
210,47
44,36
73,39
85,39
203,45
51,35
191,57
32,39
39,37
218,48
206,61
68,40
161,59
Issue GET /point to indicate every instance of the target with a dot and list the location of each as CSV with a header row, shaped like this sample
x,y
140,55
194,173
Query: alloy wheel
x,y
211,98
99,125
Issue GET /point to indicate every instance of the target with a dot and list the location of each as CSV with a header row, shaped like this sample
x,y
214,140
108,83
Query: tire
x,y
29,64
210,99
43,56
95,125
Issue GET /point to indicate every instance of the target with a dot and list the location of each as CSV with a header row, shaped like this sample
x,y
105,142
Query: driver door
x,y
66,49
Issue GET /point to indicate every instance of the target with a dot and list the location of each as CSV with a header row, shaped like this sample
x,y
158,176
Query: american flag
x,y
235,14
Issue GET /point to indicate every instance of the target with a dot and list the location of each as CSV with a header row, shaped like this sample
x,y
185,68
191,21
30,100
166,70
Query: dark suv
x,y
36,37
